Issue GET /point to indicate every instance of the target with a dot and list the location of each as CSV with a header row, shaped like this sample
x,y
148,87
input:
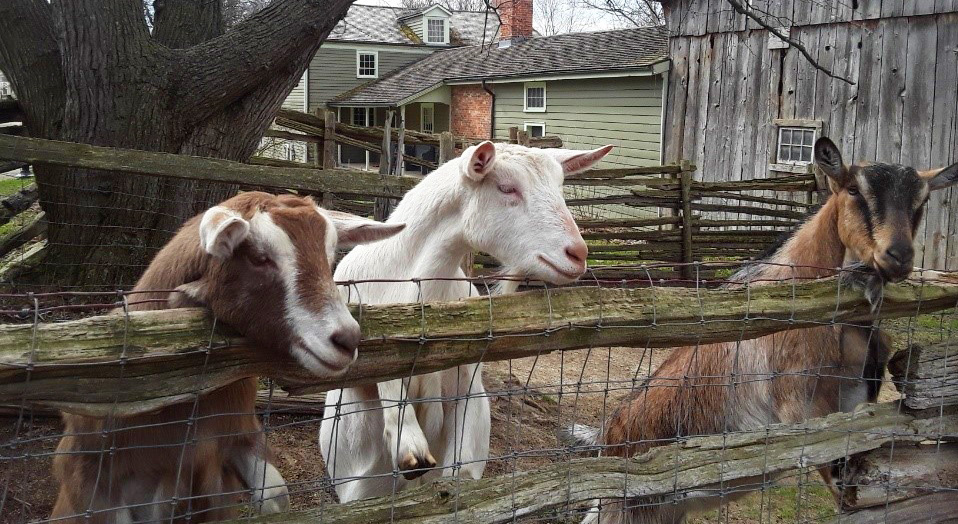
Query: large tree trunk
x,y
187,88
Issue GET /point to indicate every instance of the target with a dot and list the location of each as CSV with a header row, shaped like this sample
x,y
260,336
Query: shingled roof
x,y
606,51
381,25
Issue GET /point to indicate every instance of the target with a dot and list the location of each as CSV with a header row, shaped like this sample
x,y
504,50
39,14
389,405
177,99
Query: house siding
x,y
727,88
415,24
589,113
333,71
296,98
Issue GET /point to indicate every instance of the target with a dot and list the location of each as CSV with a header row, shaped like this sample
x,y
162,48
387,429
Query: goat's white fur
x,y
459,208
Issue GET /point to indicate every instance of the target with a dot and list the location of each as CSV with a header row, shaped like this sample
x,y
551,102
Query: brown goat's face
x,y
880,207
270,275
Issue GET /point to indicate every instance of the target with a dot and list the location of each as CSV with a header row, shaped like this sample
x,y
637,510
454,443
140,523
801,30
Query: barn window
x,y
535,129
367,64
795,145
436,31
535,97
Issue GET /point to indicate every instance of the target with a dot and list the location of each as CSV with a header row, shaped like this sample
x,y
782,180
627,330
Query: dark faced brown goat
x,y
790,376
260,263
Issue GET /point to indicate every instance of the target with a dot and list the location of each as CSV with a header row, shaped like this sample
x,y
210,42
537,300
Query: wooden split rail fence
x,y
124,364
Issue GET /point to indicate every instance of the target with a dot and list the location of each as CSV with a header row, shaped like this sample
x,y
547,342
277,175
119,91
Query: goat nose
x,y
902,253
577,252
346,340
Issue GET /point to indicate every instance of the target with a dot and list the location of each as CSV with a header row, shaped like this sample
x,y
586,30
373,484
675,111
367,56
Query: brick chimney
x,y
516,16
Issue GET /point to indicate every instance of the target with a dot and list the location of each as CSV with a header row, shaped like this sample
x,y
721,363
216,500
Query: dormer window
x,y
437,31
367,64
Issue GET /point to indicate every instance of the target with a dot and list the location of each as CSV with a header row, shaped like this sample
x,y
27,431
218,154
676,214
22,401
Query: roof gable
x,y
390,25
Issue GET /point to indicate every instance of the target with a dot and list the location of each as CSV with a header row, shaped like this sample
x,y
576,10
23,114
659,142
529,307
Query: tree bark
x,y
90,71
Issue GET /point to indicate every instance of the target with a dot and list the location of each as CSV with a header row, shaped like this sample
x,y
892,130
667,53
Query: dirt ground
x,y
531,398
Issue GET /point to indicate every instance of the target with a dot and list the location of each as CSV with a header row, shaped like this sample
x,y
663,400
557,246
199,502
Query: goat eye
x,y
506,189
260,260
852,190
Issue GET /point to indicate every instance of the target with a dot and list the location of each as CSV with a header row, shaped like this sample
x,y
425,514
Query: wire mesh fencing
x,y
616,400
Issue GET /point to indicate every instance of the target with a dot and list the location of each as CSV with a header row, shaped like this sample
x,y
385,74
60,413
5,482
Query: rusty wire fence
x,y
611,400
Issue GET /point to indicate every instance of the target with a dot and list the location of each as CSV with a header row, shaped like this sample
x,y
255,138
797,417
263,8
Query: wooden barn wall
x,y
727,88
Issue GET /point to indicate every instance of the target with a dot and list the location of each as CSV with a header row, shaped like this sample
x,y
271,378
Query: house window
x,y
5,89
359,116
535,129
428,118
367,64
535,97
436,31
795,145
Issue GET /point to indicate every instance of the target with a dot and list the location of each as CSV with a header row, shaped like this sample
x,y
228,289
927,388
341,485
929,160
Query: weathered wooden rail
x,y
131,363
711,462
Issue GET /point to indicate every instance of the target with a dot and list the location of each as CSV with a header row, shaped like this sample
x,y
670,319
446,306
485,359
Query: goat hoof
x,y
413,467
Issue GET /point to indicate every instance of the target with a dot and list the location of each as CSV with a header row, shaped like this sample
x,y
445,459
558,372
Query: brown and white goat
x,y
787,377
262,264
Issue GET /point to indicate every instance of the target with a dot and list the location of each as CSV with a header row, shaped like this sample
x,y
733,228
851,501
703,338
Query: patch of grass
x,y
923,329
19,221
9,186
809,502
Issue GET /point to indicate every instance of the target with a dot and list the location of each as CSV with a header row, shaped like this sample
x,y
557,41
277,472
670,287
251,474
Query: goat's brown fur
x,y
789,376
185,450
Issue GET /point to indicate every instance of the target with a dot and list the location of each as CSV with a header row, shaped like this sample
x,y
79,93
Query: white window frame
x,y
525,97
422,116
375,55
779,143
526,125
445,30
794,166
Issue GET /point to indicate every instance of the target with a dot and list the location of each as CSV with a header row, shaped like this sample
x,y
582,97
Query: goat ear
x,y
191,294
221,231
478,160
829,159
941,178
352,230
574,162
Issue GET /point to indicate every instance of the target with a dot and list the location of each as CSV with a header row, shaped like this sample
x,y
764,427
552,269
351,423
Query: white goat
x,y
505,200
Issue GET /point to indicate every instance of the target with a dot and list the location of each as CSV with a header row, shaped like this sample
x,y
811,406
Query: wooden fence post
x,y
686,185
513,135
383,206
522,138
316,148
329,140
400,142
447,147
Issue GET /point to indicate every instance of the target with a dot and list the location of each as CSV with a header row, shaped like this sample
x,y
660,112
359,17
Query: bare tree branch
x,y
635,13
794,43
217,73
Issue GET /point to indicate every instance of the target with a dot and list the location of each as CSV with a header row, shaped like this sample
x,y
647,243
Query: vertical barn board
x,y
710,52
870,9
758,6
770,100
708,166
674,13
841,124
804,10
677,97
893,8
894,56
942,215
696,17
805,72
827,57
713,10
946,6
918,7
782,10
869,86
917,117
789,79
696,98
752,76
740,110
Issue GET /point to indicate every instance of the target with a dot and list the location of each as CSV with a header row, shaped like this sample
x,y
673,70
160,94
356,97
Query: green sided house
x,y
464,72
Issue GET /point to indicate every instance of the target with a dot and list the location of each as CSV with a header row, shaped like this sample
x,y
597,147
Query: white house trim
x,y
398,48
360,52
657,69
526,86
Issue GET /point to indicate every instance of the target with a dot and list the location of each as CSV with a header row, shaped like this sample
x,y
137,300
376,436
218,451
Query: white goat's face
x,y
517,213
270,275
